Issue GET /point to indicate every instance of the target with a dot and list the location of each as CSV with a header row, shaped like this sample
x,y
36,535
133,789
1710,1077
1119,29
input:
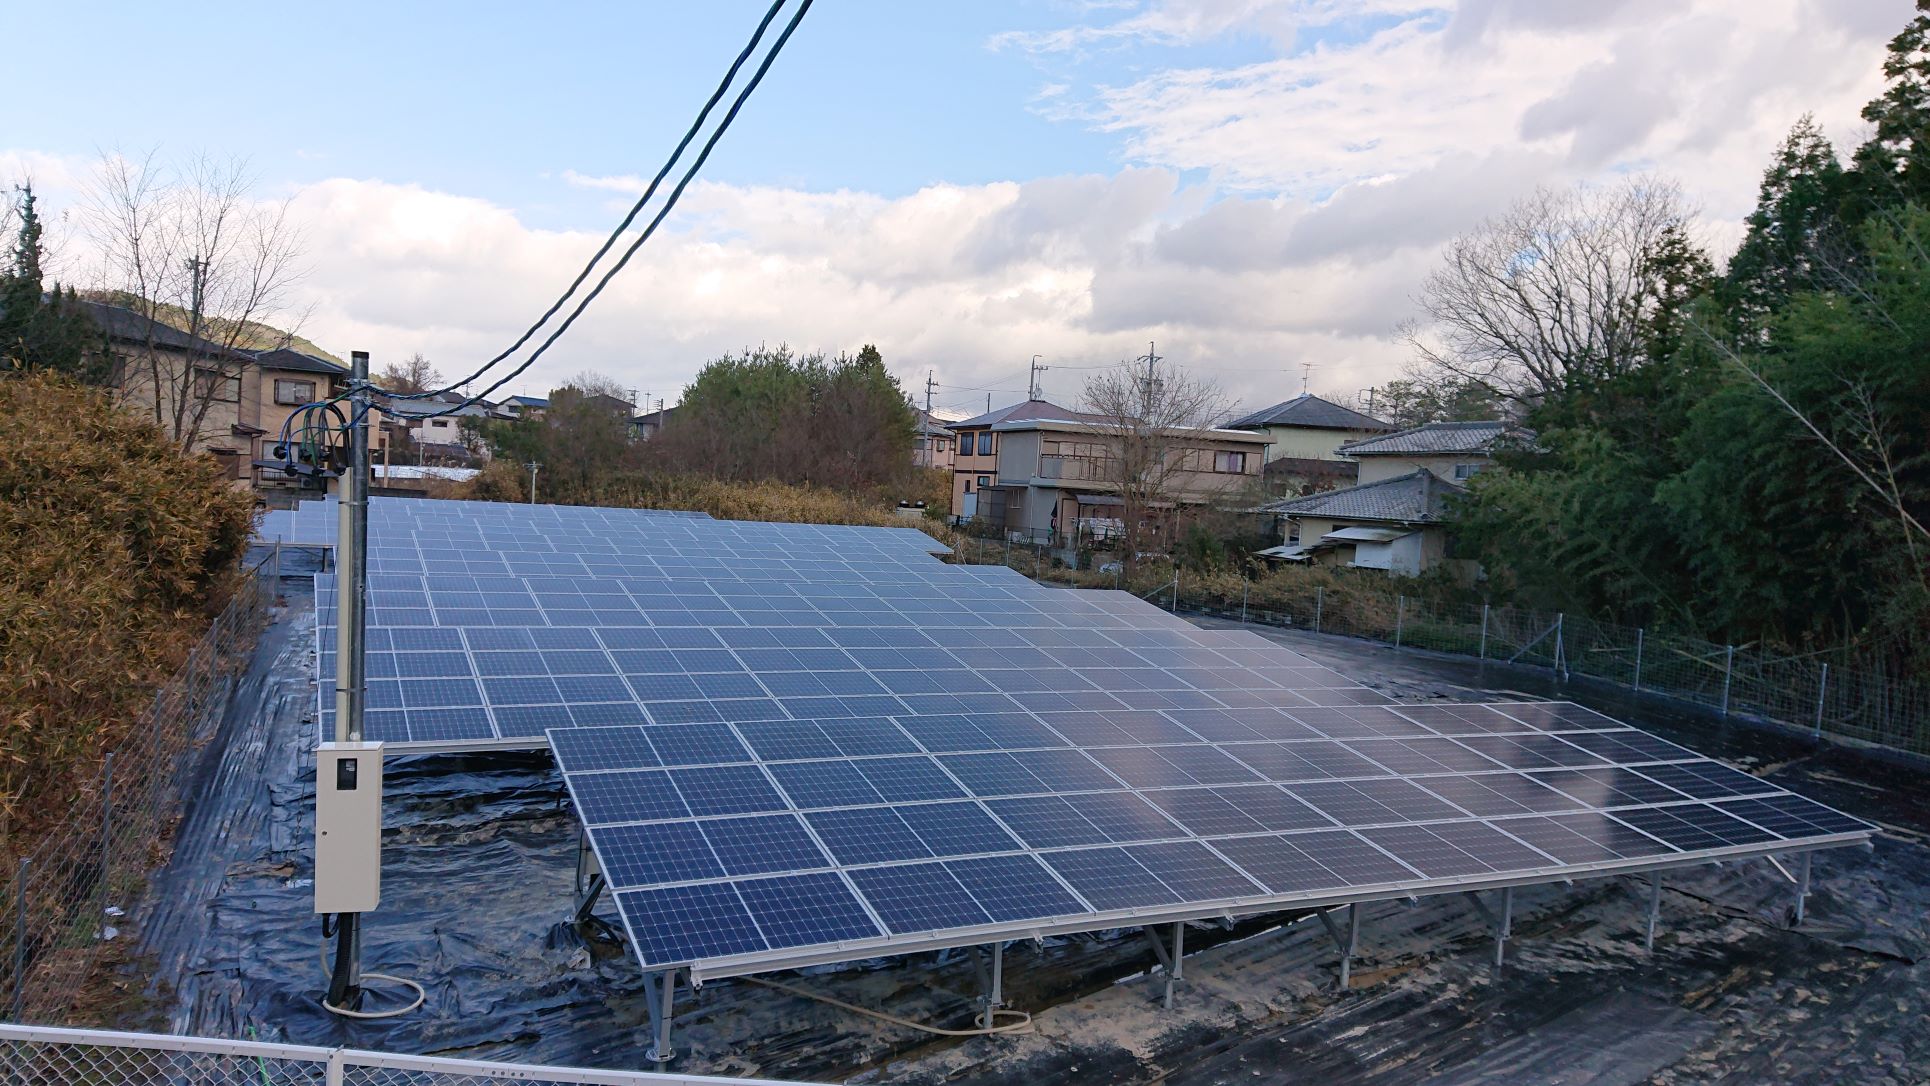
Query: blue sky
x,y
1258,185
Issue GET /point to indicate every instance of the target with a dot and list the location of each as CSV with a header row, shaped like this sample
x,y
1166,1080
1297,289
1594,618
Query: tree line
x,y
1740,452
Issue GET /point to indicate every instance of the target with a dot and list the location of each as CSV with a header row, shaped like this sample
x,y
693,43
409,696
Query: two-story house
x,y
1041,472
1396,518
1303,436
933,443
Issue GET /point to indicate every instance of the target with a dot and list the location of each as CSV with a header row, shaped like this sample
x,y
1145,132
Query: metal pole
x,y
1655,908
1319,594
1728,670
351,575
1176,588
1561,658
666,993
1400,618
1484,631
1822,691
1802,890
107,829
1637,684
1353,946
1506,925
19,939
532,465
1243,591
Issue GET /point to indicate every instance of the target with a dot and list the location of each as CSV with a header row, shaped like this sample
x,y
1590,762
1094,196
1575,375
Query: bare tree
x,y
1150,418
592,383
1556,292
413,374
188,248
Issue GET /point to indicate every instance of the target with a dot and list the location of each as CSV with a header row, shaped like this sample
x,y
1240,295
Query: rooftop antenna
x,y
1306,371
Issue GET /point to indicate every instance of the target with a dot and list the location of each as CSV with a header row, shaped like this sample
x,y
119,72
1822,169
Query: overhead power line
x,y
670,202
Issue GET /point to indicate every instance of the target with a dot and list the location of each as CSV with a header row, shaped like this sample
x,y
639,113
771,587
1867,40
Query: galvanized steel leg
x,y
991,982
1655,909
661,990
1347,943
1504,927
1802,890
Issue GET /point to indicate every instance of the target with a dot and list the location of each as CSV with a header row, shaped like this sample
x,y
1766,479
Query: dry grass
x,y
114,551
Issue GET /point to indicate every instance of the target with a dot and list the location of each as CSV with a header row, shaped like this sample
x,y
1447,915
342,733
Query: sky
x,y
1256,186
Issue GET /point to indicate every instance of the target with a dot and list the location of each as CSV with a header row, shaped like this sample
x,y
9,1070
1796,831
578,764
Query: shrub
x,y
114,549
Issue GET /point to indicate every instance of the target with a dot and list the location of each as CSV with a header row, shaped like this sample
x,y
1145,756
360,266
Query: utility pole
x,y
1032,385
351,587
931,383
1368,395
1306,372
1149,385
532,466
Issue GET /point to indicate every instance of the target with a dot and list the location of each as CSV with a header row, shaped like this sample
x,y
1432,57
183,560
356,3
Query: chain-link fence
x,y
1804,692
40,1056
63,902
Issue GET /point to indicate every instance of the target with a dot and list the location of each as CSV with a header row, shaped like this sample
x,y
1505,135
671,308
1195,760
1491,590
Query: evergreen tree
x,y
1796,239
41,326
1893,167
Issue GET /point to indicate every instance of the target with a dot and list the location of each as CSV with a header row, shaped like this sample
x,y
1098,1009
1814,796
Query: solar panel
x,y
801,743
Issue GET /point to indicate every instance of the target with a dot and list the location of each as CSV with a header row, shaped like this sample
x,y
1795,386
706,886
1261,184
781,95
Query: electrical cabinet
x,y
348,827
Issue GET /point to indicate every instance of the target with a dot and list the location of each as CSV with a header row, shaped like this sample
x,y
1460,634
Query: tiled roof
x,y
282,358
1024,411
1435,439
1418,497
1312,412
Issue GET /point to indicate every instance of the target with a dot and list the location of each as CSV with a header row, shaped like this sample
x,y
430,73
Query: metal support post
x,y
1168,959
1176,589
1400,618
1244,584
1655,908
1484,631
661,992
351,577
1802,891
589,878
1319,595
1636,685
1822,691
1504,928
991,979
1348,943
19,938
1561,653
107,831
1728,670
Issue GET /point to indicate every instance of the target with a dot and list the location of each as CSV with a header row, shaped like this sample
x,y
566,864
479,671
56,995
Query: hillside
x,y
254,336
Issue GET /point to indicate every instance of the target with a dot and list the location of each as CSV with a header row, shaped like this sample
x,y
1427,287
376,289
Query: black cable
x,y
670,203
636,209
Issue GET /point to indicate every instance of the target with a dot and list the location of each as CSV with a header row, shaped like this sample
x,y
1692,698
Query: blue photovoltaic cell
x,y
799,730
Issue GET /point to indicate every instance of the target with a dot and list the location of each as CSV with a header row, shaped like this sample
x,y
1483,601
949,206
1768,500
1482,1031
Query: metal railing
x,y
64,901
44,1056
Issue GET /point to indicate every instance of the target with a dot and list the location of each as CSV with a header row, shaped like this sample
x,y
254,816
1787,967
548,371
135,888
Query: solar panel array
x,y
796,743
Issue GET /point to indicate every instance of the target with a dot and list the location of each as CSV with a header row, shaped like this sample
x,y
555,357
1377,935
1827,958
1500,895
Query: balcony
x,y
1090,469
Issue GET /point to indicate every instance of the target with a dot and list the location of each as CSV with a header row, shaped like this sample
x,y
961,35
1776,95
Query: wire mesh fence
x,y
41,1056
64,901
1829,701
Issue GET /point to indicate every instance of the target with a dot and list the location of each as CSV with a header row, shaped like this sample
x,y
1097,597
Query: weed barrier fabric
x,y
479,866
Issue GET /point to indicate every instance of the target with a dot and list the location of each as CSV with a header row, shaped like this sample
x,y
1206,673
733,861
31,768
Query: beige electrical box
x,y
348,827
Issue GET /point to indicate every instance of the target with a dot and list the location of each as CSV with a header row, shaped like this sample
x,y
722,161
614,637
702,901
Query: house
x,y
525,406
1396,524
651,423
216,399
1303,435
1451,450
439,440
1042,472
933,443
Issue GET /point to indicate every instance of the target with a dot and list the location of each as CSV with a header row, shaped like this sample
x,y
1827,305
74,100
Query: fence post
x,y
1561,659
107,831
19,939
277,562
1822,691
1243,590
1637,684
1400,618
1176,588
1008,548
1484,631
1319,594
1728,670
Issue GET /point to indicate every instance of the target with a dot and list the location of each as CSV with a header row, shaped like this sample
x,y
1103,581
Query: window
x,y
1467,471
968,485
985,442
1233,463
984,481
213,384
440,424
294,392
1293,531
